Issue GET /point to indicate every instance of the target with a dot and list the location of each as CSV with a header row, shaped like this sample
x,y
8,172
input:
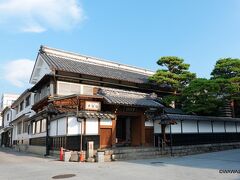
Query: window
x,y
7,117
27,103
21,106
43,129
25,127
38,127
33,127
19,128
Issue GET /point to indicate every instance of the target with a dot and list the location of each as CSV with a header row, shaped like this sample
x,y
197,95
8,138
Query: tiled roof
x,y
197,118
102,115
173,111
76,66
128,98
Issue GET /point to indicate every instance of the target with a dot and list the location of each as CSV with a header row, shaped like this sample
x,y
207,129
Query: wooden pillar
x,y
142,130
114,131
164,133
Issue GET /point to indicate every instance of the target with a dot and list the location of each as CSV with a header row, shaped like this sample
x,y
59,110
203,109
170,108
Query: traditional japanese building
x,y
79,98
89,99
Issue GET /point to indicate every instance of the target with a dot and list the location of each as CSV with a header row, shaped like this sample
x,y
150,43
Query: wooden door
x,y
149,136
105,137
136,131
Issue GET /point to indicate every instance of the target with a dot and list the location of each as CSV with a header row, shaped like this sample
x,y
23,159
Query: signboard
x,y
93,105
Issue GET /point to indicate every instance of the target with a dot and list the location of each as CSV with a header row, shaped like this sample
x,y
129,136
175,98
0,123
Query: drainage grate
x,y
158,162
63,176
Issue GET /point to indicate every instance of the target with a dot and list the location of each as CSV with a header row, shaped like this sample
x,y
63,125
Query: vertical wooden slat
x,y
114,131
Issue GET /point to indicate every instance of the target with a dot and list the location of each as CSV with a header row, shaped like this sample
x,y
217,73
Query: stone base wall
x,y
40,150
198,149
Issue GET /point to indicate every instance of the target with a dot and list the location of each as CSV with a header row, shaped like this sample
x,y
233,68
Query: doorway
x,y
128,131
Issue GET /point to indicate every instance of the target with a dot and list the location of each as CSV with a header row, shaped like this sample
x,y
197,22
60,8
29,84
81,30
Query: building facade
x,y
6,100
76,99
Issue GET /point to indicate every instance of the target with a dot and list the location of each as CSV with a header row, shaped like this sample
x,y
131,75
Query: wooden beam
x,y
114,131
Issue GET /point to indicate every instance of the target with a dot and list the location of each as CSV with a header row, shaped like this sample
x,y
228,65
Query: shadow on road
x,y
229,159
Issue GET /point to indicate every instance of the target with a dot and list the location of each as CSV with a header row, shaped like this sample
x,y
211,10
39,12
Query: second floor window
x,y
25,127
21,106
27,102
19,128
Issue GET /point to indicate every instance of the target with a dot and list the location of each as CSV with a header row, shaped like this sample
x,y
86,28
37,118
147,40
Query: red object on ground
x,y
61,154
81,157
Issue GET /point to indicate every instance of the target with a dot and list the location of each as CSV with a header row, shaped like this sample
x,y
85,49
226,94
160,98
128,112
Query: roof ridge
x,y
94,60
121,90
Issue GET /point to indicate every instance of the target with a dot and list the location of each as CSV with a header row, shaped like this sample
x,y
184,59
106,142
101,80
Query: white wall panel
x,y
106,122
149,123
91,126
53,128
61,126
230,127
205,127
218,127
238,127
176,128
189,126
157,127
74,127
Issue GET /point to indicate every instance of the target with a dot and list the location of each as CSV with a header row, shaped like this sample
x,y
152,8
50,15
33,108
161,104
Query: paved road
x,y
15,165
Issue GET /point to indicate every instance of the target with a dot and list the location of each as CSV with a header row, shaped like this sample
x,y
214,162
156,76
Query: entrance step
x,y
135,153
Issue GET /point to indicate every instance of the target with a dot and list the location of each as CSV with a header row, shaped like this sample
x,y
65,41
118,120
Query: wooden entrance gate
x,y
105,137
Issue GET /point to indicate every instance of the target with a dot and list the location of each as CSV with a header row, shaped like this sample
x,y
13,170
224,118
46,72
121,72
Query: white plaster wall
x,y
218,127
205,127
238,127
26,109
67,88
53,128
230,127
24,137
74,127
39,71
91,126
105,122
176,128
14,136
149,123
189,127
61,126
1,121
6,122
157,127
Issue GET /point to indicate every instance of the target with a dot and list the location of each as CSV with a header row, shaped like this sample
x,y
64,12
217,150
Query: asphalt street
x,y
23,166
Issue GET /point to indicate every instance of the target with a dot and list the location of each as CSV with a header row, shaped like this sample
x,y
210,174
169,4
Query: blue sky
x,y
128,31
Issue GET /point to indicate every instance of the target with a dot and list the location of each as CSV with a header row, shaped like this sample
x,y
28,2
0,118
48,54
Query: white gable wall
x,y
40,69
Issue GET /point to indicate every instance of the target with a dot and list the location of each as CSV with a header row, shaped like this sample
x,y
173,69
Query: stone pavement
x,y
19,165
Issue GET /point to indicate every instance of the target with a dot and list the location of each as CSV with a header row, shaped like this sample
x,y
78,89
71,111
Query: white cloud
x,y
18,72
33,28
39,15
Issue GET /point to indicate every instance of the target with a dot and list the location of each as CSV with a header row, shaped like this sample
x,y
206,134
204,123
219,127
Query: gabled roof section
x,y
40,69
128,98
76,63
20,98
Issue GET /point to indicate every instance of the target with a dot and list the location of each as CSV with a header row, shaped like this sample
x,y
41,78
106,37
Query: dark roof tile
x,y
75,66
